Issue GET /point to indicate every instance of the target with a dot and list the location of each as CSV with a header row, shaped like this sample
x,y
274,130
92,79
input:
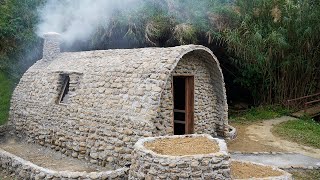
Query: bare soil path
x,y
258,137
262,132
244,143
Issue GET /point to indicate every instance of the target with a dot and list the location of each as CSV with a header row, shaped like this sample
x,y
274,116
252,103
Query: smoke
x,y
77,19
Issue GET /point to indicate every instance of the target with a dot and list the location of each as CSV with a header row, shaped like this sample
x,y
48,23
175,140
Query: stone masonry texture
x,y
23,169
150,165
115,98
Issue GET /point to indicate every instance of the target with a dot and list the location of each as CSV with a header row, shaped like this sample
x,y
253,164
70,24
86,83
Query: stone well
x,y
148,164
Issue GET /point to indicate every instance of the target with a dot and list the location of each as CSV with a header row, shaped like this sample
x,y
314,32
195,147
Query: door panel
x,y
183,100
189,105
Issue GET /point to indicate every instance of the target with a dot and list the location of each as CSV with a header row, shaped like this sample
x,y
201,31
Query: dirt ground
x,y
244,143
263,132
258,137
48,158
183,146
240,170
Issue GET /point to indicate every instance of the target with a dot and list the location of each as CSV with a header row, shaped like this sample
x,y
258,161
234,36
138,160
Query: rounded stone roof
x,y
121,82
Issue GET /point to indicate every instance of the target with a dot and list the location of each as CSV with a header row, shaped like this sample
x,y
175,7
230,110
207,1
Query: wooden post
x,y
189,104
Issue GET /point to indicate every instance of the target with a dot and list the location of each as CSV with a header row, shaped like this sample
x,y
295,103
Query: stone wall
x,y
207,112
147,164
115,97
99,139
51,47
83,133
26,170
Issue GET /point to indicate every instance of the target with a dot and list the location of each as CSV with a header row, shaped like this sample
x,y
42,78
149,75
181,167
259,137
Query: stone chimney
x,y
51,47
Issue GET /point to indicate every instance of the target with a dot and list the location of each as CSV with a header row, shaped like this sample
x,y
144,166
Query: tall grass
x,y
5,95
257,114
275,45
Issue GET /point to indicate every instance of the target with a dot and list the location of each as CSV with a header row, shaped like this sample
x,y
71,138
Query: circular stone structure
x,y
149,164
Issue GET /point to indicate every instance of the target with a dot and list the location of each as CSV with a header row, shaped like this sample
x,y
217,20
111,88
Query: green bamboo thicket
x,y
276,46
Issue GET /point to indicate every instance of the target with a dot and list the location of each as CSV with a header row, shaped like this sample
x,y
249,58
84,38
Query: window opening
x,y
64,97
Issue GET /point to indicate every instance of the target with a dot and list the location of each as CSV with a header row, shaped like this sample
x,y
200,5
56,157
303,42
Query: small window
x,y
64,95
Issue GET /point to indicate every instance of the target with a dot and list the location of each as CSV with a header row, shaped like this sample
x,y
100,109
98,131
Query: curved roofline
x,y
196,48
192,48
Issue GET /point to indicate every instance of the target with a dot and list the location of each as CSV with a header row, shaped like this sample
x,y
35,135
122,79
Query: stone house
x,y
95,105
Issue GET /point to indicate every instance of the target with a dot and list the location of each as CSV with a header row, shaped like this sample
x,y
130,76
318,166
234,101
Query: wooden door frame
x,y
189,102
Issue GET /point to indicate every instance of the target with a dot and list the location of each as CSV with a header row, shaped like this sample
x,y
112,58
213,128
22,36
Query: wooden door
x,y
183,111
